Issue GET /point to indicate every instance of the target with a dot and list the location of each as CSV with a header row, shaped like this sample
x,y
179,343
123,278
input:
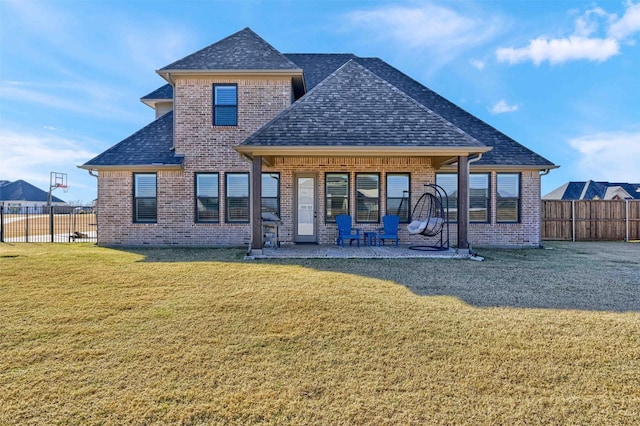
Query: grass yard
x,y
93,335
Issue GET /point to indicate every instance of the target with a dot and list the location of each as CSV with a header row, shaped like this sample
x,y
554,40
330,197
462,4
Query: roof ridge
x,y
208,59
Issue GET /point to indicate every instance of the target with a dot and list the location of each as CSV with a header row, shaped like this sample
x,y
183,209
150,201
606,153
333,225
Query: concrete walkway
x,y
332,251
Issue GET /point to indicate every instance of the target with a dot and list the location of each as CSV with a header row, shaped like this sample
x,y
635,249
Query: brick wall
x,y
210,149
526,233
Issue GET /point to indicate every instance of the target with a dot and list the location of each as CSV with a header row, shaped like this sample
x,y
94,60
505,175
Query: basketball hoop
x,y
57,180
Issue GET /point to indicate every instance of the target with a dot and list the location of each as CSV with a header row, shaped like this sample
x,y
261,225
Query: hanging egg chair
x,y
430,219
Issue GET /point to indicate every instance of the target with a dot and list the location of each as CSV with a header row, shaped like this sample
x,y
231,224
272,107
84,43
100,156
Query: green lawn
x,y
92,335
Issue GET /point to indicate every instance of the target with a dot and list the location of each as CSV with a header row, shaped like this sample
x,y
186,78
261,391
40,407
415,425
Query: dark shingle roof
x,y
21,190
590,190
164,92
506,151
354,107
150,145
318,66
244,50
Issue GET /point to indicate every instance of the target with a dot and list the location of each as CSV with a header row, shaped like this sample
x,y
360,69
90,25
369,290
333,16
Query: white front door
x,y
305,209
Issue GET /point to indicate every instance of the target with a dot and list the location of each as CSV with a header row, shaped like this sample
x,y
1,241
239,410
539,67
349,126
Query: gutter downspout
x,y
469,161
542,173
95,175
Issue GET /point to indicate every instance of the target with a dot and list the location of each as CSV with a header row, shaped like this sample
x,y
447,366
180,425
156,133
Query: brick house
x,y
242,129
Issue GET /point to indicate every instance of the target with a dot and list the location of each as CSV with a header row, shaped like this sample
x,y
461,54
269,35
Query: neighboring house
x,y
591,190
243,129
20,196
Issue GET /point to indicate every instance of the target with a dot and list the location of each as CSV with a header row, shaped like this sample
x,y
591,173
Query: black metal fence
x,y
48,224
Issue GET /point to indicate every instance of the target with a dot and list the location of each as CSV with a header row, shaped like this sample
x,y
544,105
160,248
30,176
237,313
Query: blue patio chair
x,y
345,231
389,231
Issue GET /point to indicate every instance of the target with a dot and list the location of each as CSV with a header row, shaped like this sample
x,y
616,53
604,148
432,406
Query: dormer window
x,y
225,104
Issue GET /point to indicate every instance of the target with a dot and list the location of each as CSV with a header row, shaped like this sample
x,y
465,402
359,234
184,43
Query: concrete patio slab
x,y
330,251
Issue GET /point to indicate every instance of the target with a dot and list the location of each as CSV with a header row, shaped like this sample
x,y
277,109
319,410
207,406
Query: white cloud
x,y
82,96
439,29
560,50
502,107
628,24
584,43
611,156
27,155
31,156
477,64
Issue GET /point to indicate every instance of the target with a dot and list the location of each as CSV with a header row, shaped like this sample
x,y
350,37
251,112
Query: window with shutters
x,y
207,198
508,197
225,104
145,201
237,197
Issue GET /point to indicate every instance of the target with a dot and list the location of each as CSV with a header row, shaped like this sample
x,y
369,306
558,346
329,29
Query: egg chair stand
x,y
430,218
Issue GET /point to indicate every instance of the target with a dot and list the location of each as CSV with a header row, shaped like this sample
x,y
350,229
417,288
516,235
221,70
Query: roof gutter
x,y
359,151
168,74
135,167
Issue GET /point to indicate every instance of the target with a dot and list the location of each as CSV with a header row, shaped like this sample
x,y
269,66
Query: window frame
x,y
197,197
217,106
487,198
136,198
332,219
386,183
453,217
227,197
359,198
277,197
518,199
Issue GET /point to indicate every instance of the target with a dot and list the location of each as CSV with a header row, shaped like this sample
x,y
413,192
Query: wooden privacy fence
x,y
591,220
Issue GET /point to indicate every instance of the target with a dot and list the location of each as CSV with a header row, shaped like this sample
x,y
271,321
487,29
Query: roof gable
x,y
505,152
354,107
244,50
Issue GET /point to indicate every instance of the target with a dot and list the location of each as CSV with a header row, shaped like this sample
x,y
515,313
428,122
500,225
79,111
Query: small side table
x,y
370,238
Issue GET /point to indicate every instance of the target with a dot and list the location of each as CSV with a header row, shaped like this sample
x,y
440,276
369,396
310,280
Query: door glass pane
x,y
306,200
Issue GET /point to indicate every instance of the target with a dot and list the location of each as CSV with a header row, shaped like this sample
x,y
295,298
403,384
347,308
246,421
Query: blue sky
x,y
560,77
